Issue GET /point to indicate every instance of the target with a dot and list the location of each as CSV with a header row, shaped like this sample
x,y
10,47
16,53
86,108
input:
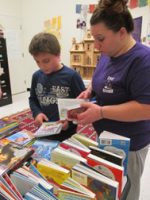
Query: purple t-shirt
x,y
122,79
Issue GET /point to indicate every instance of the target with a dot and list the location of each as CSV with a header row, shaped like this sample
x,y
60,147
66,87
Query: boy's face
x,y
47,62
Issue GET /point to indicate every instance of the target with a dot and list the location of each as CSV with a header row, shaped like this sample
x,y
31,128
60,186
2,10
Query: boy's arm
x,y
33,101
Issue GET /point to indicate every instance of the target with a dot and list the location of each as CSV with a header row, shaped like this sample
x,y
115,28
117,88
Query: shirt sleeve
x,y
77,85
33,101
139,81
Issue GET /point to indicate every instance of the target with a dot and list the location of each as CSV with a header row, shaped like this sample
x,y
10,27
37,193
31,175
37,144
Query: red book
x,y
77,148
109,169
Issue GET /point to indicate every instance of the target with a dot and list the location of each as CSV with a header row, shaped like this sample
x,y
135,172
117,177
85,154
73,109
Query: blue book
x,y
117,144
43,148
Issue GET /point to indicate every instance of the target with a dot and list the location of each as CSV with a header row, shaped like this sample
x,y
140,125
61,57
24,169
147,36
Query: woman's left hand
x,y
92,113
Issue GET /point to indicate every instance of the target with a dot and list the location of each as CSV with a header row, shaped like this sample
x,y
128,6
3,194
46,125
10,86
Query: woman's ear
x,y
123,32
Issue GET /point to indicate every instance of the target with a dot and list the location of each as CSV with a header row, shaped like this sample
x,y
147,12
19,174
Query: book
x,y
24,175
107,155
108,169
75,146
7,127
12,155
48,128
87,130
103,187
71,195
43,148
9,184
53,171
85,140
69,108
65,158
23,137
72,189
6,192
117,144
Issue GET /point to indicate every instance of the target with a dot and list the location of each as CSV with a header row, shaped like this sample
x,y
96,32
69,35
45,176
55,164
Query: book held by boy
x,y
48,128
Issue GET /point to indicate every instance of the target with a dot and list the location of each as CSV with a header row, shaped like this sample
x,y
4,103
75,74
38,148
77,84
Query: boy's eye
x,y
46,61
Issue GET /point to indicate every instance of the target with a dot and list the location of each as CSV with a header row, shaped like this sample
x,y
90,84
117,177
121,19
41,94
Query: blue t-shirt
x,y
121,79
46,88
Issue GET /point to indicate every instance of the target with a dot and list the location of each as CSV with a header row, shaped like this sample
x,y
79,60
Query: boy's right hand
x,y
40,118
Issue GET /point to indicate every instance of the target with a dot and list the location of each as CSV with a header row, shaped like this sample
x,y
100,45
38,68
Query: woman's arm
x,y
131,111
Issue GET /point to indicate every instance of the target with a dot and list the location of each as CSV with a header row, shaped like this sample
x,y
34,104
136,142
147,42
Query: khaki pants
x,y
136,163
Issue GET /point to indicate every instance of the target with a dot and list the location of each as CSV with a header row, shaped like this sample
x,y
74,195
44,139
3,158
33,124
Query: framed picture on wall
x,y
137,28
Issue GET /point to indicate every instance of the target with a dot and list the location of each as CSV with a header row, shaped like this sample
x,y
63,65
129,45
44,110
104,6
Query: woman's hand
x,y
65,124
92,113
85,94
40,118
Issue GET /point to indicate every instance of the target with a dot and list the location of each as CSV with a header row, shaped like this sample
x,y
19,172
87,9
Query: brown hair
x,y
114,14
44,43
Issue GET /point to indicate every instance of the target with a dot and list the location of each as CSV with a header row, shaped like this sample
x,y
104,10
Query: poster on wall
x,y
137,28
54,26
6,97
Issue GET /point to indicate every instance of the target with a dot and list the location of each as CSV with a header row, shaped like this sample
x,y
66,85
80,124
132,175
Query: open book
x,y
48,128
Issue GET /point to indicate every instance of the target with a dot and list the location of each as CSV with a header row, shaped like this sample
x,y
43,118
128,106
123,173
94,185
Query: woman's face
x,y
107,41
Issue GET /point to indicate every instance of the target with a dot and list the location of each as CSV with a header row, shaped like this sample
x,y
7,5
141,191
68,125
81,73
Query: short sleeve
x,y
139,81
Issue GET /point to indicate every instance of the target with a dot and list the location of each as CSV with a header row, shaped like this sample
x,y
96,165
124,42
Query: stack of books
x,y
8,127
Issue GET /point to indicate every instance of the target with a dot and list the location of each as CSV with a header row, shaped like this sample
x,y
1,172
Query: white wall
x,y
36,12
11,20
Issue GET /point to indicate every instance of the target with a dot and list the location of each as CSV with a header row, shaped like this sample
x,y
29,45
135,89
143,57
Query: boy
x,y
53,80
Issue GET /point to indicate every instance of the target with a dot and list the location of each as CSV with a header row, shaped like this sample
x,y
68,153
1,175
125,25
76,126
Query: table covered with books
x,y
82,167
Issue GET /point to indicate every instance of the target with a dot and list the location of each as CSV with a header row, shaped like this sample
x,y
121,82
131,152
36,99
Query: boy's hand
x,y
40,118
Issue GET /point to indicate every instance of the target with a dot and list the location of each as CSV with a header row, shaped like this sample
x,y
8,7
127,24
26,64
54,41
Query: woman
x,y
122,85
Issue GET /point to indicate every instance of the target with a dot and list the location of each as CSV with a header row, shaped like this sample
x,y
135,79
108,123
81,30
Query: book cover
x,y
87,130
12,155
117,144
107,155
71,195
108,169
43,148
65,158
52,171
22,137
12,187
103,187
48,128
70,185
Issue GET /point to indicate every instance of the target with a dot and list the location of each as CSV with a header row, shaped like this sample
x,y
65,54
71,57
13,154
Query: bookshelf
x,y
4,74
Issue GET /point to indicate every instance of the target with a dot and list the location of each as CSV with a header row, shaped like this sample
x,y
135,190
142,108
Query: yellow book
x,y
52,171
85,140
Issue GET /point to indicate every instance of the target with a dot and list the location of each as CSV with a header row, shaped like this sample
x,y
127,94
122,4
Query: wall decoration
x,y
54,26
